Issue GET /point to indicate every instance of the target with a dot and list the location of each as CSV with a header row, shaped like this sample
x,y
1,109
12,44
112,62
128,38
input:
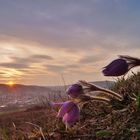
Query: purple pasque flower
x,y
69,112
117,67
72,116
121,66
74,90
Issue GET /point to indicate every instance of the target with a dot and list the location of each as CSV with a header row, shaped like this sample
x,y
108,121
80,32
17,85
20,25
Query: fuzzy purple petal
x,y
74,90
66,107
72,116
117,67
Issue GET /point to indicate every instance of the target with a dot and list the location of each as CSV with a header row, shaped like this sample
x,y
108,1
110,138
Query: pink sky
x,y
42,40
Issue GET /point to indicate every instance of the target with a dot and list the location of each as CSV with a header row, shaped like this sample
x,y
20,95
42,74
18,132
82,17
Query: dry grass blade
x,y
14,131
134,95
39,128
132,98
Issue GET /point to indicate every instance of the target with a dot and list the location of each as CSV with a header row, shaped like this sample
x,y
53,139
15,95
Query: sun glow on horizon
x,y
10,83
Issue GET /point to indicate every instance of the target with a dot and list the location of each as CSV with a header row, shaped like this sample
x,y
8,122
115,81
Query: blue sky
x,y
40,40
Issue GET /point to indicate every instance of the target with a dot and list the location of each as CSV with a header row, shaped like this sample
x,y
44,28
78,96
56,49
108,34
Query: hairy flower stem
x,y
84,98
112,93
102,99
93,87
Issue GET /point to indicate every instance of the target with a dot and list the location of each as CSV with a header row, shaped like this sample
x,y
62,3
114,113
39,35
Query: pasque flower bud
x,y
74,90
121,66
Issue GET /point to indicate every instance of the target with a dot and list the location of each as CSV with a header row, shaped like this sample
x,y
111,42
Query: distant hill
x,y
25,89
41,90
24,95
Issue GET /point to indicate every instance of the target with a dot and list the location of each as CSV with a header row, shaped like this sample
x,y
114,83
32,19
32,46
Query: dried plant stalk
x,y
39,128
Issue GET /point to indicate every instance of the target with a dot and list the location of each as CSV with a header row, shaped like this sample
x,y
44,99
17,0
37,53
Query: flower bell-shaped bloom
x,y
68,112
71,117
75,90
117,67
121,66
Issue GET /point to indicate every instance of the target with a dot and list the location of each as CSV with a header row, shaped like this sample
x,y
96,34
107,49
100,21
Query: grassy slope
x,y
98,121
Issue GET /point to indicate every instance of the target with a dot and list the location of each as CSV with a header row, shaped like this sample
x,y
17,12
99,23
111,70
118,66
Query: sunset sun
x,y
10,83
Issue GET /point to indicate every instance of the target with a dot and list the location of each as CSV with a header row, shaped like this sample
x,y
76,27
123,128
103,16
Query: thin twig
x,y
65,87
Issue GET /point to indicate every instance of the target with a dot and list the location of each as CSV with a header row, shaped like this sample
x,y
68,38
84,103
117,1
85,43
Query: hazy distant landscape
x,y
25,96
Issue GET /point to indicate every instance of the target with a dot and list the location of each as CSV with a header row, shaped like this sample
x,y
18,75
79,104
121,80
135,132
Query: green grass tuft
x,y
3,134
103,133
138,101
